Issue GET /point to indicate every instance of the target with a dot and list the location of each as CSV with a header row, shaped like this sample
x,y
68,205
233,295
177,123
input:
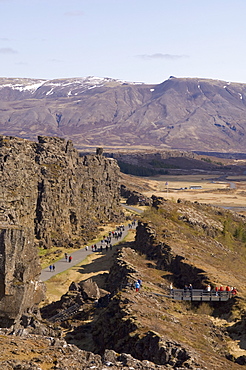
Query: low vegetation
x,y
137,170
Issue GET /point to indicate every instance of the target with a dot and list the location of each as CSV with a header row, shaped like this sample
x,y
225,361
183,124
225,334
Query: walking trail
x,y
79,255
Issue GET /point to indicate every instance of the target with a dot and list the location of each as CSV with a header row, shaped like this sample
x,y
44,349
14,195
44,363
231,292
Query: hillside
x,y
181,243
180,113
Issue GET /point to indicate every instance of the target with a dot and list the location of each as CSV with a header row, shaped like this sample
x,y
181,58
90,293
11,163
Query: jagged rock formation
x,y
116,325
79,294
34,352
48,196
46,186
146,325
180,113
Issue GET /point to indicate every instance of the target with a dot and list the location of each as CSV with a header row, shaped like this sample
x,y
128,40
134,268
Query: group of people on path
x,y
68,258
102,246
216,289
228,289
208,289
106,243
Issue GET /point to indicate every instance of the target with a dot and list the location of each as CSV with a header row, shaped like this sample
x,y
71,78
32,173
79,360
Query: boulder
x,y
89,290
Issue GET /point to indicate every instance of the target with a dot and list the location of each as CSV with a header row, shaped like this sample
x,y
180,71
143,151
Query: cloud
x,y
161,56
3,38
76,13
8,51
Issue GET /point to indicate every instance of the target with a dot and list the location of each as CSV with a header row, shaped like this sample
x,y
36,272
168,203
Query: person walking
x,y
65,255
50,267
53,268
69,258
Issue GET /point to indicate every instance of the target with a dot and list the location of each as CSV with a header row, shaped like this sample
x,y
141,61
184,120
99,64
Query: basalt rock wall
x,y
49,188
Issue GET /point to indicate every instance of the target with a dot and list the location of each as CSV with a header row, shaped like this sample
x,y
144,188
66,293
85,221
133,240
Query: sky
x,y
131,40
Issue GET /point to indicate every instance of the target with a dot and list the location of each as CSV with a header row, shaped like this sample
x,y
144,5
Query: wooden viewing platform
x,y
200,295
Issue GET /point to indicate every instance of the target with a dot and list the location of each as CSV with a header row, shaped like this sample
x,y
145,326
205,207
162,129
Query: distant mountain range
x,y
180,113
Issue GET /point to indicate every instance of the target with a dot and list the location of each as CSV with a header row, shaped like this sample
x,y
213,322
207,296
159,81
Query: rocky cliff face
x,y
48,196
46,186
20,288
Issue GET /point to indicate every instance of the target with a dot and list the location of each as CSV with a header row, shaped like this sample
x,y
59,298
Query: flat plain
x,y
228,193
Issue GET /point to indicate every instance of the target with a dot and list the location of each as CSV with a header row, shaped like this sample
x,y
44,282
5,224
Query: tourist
x,y
50,267
70,258
137,286
53,267
234,291
65,254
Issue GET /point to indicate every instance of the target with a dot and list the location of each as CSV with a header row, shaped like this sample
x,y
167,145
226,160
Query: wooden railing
x,y
199,295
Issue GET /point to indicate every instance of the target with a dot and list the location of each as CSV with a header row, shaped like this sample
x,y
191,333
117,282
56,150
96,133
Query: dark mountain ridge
x,y
180,113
